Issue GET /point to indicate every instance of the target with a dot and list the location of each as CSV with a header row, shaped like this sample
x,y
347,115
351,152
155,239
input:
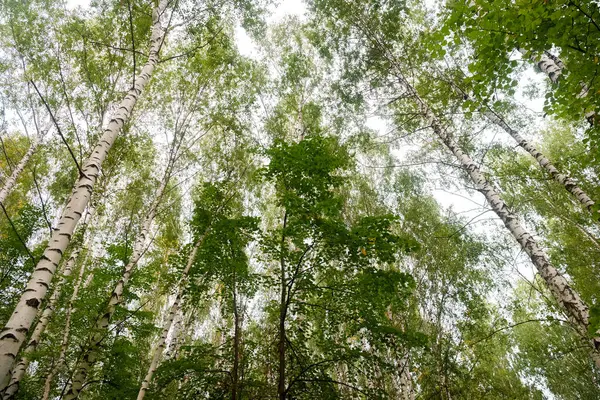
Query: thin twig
x,y
58,128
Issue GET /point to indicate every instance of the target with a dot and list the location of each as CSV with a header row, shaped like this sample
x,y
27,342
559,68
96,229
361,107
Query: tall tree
x,y
18,325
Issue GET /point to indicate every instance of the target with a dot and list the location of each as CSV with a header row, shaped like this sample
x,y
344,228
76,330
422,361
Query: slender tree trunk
x,y
90,355
66,334
12,179
160,346
116,298
16,329
174,345
565,295
236,344
282,316
568,183
21,367
406,386
548,64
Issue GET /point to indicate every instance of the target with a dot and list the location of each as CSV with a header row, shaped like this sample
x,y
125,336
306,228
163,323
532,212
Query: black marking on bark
x,y
45,269
33,303
9,336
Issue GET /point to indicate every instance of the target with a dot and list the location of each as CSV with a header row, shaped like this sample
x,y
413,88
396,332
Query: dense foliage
x,y
368,199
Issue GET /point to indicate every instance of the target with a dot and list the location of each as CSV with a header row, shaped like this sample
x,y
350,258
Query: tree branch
x,y
58,128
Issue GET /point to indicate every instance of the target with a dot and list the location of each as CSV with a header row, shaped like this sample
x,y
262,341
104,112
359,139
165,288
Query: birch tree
x,y
17,326
566,296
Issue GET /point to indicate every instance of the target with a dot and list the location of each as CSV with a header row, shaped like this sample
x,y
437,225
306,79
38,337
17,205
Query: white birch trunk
x,y
565,295
12,179
174,345
21,367
160,346
569,183
14,333
116,297
406,386
552,66
548,64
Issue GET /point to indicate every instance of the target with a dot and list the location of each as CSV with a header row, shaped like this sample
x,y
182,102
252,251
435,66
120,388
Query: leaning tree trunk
x,y
160,346
116,297
21,367
565,295
175,339
548,64
565,180
90,355
12,179
14,333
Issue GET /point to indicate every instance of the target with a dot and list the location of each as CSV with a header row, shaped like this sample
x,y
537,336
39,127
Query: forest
x,y
300,200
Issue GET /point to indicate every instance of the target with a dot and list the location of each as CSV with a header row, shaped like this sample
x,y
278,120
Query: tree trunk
x,y
21,367
236,344
66,334
548,64
14,333
565,295
116,298
552,66
174,345
281,391
569,183
160,346
406,387
12,179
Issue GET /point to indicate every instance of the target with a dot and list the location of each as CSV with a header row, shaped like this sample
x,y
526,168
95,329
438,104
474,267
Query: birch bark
x,y
14,333
548,64
552,66
21,367
565,295
568,299
160,346
175,342
12,179
569,183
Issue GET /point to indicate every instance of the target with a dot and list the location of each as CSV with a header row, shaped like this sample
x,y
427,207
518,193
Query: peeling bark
x,y
160,346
